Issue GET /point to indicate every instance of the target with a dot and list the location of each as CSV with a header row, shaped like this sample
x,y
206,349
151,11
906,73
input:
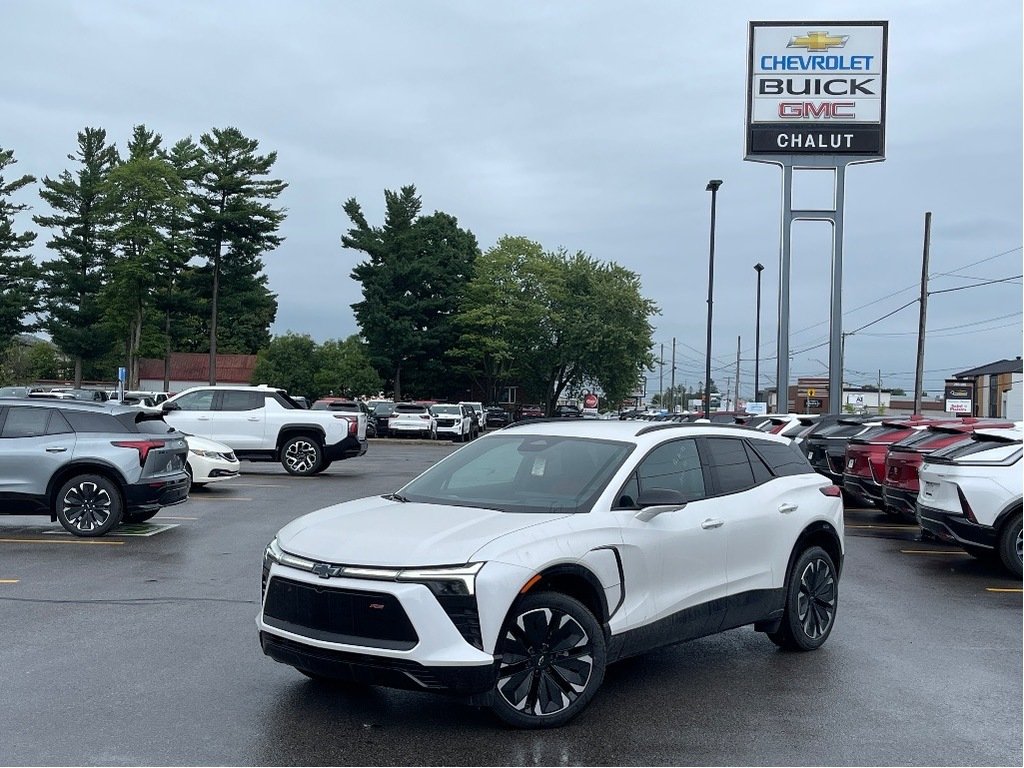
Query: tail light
x,y
142,446
353,423
831,490
425,416
968,512
877,466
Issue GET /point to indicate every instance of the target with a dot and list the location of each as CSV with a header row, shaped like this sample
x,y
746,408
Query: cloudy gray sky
x,y
589,125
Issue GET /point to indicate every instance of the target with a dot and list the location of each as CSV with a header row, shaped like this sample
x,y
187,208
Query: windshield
x,y
522,473
448,410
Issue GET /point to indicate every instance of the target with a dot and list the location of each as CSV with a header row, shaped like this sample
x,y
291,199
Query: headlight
x,y
201,452
448,580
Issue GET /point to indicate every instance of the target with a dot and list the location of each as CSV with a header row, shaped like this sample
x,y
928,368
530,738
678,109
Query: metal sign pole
x,y
782,359
835,343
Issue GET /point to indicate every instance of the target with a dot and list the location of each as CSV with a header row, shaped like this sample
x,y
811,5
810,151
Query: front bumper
x,y
954,527
379,670
455,431
347,448
863,486
154,494
900,500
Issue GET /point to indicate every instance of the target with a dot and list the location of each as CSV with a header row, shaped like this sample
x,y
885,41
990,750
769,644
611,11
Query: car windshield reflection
x,y
522,473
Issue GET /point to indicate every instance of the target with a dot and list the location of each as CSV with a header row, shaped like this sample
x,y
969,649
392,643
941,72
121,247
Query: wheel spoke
x,y
535,626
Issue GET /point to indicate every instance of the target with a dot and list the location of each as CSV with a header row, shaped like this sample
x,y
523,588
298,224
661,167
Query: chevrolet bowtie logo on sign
x,y
816,88
818,42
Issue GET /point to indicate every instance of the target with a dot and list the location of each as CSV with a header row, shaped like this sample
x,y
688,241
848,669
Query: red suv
x,y
865,455
904,458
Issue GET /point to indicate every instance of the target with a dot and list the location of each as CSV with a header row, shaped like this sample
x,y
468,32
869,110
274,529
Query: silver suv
x,y
90,466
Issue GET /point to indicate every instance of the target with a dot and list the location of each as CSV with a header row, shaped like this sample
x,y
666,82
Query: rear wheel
x,y
301,455
1010,545
552,659
812,596
88,505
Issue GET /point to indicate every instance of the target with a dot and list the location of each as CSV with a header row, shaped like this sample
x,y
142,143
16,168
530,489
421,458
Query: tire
x,y
323,466
552,657
1010,545
188,471
812,596
301,455
88,505
137,517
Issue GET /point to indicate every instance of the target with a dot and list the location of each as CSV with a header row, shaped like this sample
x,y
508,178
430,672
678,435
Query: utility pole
x,y
736,399
673,374
879,390
725,395
923,317
661,379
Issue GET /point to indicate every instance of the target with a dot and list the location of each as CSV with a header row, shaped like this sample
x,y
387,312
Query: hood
x,y
379,532
205,444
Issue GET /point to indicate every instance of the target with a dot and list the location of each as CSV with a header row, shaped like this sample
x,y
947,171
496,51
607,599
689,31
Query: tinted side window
x,y
761,472
727,459
783,459
26,422
674,465
93,422
58,424
196,401
240,401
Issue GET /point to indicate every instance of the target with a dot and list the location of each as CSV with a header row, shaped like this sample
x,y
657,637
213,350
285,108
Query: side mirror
x,y
168,407
655,501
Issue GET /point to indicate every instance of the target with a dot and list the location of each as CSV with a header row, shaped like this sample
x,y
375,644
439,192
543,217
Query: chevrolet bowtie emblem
x,y
818,41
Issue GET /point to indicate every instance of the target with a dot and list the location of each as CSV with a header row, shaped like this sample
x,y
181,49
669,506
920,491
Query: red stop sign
x,y
590,401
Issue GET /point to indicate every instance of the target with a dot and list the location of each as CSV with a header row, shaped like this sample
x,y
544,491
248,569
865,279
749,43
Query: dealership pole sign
x,y
816,88
815,101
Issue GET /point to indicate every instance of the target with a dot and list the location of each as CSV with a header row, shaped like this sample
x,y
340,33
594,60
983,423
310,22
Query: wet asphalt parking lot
x,y
142,650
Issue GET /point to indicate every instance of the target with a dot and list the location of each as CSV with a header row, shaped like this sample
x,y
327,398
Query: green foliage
x,y
80,237
555,322
18,274
233,211
23,363
144,195
296,363
413,282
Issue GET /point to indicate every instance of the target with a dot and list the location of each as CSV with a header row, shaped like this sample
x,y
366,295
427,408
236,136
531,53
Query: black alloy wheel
x,y
88,505
1011,545
301,455
812,596
552,661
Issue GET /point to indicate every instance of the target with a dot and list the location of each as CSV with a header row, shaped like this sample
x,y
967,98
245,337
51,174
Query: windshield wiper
x,y
396,497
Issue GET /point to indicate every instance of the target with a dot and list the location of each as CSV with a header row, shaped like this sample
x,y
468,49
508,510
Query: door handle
x,y
56,449
202,418
787,508
710,523
253,418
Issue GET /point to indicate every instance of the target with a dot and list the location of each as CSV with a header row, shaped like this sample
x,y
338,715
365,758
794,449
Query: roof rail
x,y
676,424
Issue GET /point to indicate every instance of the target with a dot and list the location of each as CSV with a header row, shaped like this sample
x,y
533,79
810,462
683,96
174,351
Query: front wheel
x,y
1011,544
552,659
88,505
301,455
812,596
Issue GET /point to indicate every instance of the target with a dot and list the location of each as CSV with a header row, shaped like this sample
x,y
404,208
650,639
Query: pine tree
x,y
19,290
143,193
81,240
233,211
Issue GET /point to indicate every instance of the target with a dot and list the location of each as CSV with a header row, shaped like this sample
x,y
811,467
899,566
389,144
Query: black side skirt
x,y
761,605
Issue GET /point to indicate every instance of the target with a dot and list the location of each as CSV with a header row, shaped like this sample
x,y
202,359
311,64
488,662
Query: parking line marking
x,y
262,485
9,581
1003,589
56,540
934,552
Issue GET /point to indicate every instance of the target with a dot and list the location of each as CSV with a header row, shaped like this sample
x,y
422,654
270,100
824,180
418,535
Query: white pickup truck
x,y
264,424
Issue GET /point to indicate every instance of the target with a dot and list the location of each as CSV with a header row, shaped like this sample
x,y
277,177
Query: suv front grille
x,y
339,615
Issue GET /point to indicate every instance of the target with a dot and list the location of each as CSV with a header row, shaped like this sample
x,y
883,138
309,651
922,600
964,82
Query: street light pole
x,y
759,268
712,187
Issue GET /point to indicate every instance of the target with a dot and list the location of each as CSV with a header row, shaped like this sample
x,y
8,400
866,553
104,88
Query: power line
x,y
977,285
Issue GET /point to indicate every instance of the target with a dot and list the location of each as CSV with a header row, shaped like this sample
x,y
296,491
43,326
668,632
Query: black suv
x,y
90,466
